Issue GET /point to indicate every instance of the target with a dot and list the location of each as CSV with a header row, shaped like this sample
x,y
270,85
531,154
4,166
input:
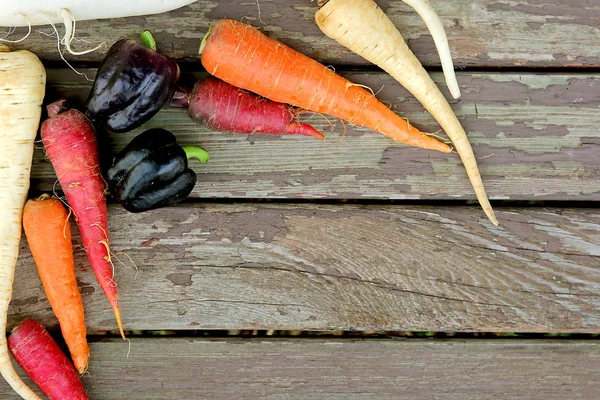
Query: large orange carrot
x,y
48,232
242,56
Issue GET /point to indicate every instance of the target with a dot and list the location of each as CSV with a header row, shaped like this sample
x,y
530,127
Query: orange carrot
x,y
242,56
48,232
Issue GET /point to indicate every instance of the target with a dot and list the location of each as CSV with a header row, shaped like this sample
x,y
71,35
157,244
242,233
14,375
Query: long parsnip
x,y
364,28
22,86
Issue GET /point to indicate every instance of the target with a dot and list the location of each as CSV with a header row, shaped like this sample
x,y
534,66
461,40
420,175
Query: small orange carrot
x,y
48,233
242,56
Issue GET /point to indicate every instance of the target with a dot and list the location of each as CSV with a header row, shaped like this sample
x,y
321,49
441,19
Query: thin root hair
x,y
364,87
137,270
70,25
109,259
259,16
60,53
63,200
128,347
11,30
438,137
312,115
67,223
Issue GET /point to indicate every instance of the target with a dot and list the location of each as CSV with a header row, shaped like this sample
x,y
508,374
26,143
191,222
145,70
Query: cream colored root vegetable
x,y
363,27
436,28
22,85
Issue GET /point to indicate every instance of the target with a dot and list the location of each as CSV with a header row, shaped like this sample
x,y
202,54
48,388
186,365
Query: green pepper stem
x,y
148,40
196,152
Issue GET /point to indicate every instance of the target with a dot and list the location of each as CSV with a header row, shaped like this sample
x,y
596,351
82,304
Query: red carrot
x,y
71,146
44,362
224,107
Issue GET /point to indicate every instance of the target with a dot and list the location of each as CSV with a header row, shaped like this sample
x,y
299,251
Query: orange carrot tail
x,y
418,139
117,311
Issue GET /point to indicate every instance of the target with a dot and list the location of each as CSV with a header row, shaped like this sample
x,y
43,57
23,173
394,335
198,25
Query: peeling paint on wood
x,y
536,138
486,33
307,267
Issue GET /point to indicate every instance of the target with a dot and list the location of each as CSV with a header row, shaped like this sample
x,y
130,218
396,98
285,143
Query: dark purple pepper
x,y
152,171
132,84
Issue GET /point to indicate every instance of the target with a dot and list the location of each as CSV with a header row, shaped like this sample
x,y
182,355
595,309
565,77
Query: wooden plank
x,y
308,267
548,33
536,138
341,369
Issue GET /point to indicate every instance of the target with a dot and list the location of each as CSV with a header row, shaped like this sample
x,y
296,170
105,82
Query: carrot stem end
x,y
204,40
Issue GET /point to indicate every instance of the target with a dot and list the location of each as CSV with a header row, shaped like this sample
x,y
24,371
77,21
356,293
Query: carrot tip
x,y
119,322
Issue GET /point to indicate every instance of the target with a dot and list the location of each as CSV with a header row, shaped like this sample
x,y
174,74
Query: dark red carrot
x,y
71,146
224,107
44,362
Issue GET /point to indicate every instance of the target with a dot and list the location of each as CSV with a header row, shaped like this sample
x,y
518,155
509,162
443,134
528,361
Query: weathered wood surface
x,y
307,267
341,369
548,33
536,137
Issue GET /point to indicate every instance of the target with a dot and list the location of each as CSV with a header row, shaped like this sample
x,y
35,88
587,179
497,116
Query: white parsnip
x,y
436,28
361,26
22,87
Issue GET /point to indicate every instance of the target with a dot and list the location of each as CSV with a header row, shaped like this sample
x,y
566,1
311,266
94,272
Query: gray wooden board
x,y
308,267
340,369
536,138
556,33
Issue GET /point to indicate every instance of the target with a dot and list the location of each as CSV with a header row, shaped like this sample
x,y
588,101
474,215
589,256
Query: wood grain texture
x,y
335,369
536,138
549,33
307,267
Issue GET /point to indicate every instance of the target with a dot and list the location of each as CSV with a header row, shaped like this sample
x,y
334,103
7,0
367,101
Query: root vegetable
x,y
363,27
242,56
224,107
44,362
71,146
22,84
48,232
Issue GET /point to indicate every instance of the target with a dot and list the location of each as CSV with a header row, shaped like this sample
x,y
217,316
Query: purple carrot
x,y
223,107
